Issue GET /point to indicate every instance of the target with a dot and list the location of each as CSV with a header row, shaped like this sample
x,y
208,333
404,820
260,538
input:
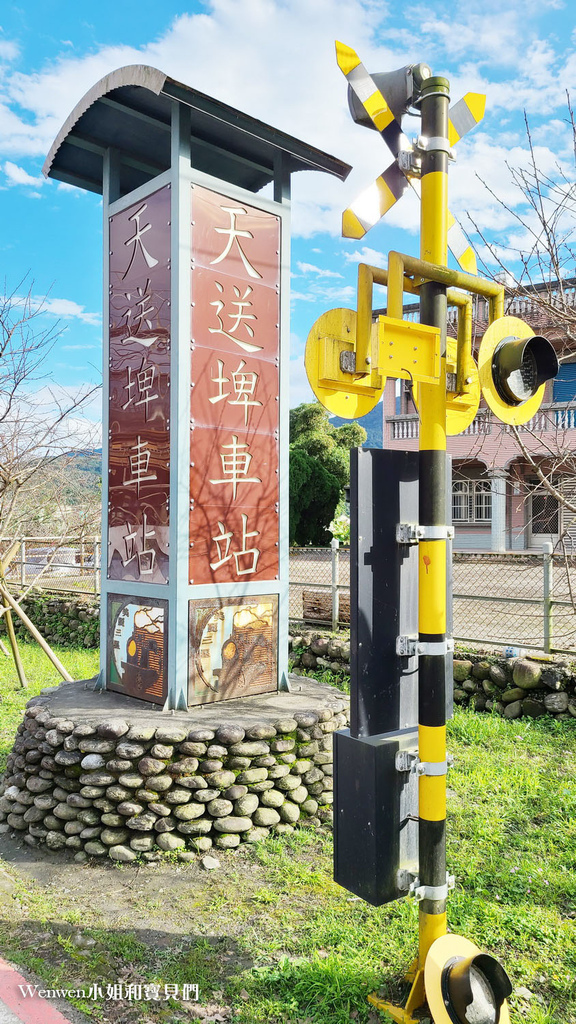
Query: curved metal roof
x,y
130,111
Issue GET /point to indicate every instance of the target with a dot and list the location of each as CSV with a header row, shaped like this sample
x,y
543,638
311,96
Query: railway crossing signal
x,y
348,358
370,107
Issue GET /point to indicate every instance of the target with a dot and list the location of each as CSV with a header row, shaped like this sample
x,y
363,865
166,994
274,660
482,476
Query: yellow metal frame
x,y
409,351
344,394
415,350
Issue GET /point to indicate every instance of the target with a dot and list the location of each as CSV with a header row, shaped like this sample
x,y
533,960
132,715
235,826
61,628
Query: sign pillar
x,y
197,467
195,425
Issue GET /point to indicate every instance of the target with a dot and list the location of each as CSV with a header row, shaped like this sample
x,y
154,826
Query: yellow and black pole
x,y
348,357
432,520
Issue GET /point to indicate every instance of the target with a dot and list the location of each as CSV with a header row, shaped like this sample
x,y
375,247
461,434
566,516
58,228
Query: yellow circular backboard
x,y
343,394
505,327
440,952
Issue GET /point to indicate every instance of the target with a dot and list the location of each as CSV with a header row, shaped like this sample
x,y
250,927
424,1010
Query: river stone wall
x,y
516,687
68,621
318,651
126,791
513,687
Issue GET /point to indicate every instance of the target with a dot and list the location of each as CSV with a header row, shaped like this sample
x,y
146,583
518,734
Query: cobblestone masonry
x,y
102,776
513,687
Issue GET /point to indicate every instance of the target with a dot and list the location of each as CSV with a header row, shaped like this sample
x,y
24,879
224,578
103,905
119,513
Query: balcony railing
x,y
552,418
548,419
402,427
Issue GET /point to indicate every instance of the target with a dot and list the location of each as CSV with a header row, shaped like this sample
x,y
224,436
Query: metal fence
x,y
53,563
320,585
525,599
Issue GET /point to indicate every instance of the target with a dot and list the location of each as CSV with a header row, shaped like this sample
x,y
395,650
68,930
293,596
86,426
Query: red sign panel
x,y
139,444
234,485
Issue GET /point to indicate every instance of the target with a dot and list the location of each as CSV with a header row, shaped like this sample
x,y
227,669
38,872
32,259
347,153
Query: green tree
x,y
319,470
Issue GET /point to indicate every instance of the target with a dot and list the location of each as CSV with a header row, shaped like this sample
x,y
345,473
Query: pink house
x,y
498,501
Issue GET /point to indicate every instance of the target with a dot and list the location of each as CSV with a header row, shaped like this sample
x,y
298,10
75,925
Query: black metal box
x,y
375,815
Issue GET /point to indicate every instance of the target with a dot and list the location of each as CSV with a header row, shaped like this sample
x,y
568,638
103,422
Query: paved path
x,y
15,1008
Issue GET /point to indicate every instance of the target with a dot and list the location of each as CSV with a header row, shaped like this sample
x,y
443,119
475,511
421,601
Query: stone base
x,y
101,774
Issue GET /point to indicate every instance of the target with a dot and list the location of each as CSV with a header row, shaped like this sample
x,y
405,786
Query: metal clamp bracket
x,y
436,144
410,647
410,161
431,892
432,768
348,361
411,533
408,761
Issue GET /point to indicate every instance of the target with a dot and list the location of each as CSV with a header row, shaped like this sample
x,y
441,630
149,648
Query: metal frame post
x,y
97,566
335,545
547,568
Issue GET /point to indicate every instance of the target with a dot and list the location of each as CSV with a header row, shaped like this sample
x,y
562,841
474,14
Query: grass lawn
x,y
271,939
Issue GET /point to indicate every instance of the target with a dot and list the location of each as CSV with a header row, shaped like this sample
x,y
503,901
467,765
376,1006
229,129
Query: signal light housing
x,y
514,365
464,985
401,90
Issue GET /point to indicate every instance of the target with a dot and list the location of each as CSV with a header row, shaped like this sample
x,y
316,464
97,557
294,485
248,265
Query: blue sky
x,y
275,60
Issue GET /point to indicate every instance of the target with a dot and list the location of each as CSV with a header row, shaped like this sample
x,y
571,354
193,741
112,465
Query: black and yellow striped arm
x,y
374,103
374,202
460,247
465,115
371,205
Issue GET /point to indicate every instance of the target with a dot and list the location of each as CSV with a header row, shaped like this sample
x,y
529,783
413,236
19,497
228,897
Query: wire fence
x,y
52,563
524,599
320,585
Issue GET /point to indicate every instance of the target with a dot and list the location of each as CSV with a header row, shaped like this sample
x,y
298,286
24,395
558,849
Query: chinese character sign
x,y
234,486
139,316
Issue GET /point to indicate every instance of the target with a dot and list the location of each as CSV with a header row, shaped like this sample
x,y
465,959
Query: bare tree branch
x,y
39,442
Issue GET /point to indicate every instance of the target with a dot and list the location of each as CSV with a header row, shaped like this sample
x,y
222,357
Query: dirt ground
x,y
163,914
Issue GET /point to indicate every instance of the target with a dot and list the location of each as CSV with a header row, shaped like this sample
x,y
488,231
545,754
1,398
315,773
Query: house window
x,y
460,501
471,501
564,387
482,501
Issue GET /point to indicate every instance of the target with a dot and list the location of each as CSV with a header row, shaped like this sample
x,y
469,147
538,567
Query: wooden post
x,y
7,597
12,634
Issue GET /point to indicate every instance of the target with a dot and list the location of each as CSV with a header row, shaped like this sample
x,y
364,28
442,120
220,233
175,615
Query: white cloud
x,y
79,348
66,309
342,294
309,268
300,390
40,407
367,255
18,176
8,50
228,53
234,46
316,293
